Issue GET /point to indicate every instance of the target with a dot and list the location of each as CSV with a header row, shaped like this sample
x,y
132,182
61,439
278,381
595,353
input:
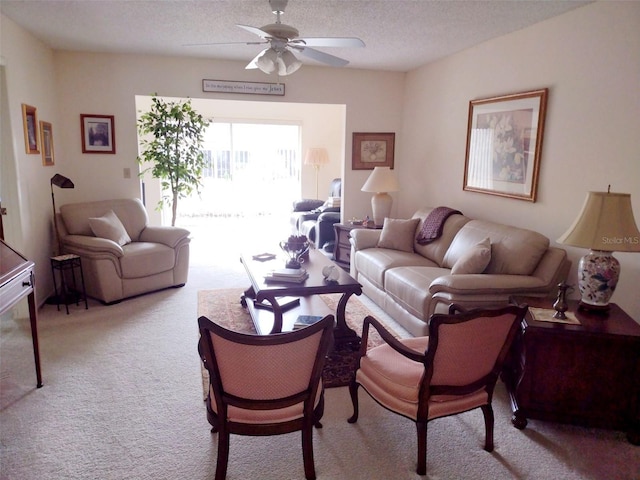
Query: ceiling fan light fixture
x,y
267,61
288,63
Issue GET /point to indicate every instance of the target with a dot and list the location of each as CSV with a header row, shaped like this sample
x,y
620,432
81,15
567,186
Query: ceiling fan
x,y
283,38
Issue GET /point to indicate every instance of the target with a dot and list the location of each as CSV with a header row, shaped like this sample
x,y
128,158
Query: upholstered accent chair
x,y
451,371
265,385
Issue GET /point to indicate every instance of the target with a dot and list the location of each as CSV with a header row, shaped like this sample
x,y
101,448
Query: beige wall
x,y
589,59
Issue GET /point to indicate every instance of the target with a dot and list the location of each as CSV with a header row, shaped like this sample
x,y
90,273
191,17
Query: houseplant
x,y
171,140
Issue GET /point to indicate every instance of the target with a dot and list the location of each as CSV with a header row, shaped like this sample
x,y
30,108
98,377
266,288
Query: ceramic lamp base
x,y
598,274
381,206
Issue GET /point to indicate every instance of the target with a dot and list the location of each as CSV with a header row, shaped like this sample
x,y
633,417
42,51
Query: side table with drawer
x,y
586,374
342,249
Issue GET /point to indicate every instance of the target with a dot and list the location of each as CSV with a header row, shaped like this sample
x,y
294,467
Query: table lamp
x,y
316,156
61,182
604,225
381,181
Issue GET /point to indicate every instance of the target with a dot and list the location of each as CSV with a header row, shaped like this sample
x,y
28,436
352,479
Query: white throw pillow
x,y
398,234
474,260
109,226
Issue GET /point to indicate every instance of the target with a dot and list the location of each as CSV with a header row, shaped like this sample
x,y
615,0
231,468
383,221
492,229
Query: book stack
x,y
333,202
305,320
287,275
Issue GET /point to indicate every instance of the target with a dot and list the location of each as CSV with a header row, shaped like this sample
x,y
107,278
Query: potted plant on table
x,y
172,137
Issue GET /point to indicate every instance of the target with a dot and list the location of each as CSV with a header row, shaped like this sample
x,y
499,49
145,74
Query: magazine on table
x,y
306,320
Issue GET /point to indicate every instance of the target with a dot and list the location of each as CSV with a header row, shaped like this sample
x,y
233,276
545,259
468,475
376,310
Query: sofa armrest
x,y
306,204
91,246
169,236
483,284
362,238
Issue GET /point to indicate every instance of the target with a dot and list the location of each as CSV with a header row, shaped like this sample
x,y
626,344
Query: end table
x,y
586,374
64,263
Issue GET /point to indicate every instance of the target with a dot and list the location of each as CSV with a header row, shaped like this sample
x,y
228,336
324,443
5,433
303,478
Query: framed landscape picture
x,y
30,126
97,134
372,150
46,140
504,142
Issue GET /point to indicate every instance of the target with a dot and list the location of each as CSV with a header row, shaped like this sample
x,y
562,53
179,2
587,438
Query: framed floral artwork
x,y
504,144
372,150
46,140
97,133
30,126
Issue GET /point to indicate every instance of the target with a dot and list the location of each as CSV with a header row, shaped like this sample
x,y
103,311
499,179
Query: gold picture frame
x,y
30,126
46,140
372,150
504,144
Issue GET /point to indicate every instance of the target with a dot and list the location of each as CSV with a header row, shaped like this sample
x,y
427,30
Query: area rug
x,y
223,306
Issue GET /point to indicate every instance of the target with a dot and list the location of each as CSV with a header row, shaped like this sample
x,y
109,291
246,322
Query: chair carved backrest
x,y
466,351
240,365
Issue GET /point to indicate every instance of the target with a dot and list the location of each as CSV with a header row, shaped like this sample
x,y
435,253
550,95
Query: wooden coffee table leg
x,y
248,293
342,333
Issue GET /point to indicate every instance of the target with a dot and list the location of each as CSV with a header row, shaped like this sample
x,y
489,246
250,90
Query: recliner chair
x,y
315,219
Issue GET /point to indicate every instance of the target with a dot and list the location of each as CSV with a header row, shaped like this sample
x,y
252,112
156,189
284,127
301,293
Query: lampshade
x,y
267,61
283,61
605,224
288,63
381,181
316,156
62,182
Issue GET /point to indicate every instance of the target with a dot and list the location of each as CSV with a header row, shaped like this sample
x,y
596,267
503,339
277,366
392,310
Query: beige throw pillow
x,y
398,234
475,260
109,226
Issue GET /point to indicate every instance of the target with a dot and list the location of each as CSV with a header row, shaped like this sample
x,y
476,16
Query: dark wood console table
x,y
587,374
17,280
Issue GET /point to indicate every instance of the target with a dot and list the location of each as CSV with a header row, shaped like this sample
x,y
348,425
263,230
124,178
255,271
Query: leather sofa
x,y
315,218
474,263
123,256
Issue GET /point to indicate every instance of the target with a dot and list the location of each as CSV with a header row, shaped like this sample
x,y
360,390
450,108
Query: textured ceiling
x,y
399,34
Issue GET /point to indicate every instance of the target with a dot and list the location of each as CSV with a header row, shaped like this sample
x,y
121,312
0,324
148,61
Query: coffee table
x,y
275,319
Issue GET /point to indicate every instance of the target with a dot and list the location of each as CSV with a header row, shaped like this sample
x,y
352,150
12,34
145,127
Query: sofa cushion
x,y
374,262
109,226
474,260
398,234
408,286
514,251
142,259
436,250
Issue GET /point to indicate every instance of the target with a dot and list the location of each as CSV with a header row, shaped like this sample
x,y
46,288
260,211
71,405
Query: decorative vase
x,y
598,273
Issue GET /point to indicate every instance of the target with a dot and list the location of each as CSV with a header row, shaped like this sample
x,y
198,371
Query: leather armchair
x,y
308,222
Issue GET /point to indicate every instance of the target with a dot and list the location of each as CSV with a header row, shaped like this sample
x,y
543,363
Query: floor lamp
x,y
61,182
316,156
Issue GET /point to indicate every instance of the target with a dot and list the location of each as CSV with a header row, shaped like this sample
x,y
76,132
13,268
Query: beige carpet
x,y
122,399
223,306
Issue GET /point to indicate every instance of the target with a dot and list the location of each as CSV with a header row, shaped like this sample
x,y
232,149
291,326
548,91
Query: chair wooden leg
x,y
307,451
421,428
488,425
223,454
353,391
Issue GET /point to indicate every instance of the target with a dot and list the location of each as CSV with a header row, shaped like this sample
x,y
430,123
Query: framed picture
x,y
97,134
372,150
504,142
30,125
46,140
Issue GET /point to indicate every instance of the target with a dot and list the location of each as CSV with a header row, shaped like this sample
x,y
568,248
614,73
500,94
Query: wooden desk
x,y
17,280
587,374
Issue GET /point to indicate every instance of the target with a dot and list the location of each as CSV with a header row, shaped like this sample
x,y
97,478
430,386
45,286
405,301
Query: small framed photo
x,y
30,126
372,150
97,133
504,143
46,140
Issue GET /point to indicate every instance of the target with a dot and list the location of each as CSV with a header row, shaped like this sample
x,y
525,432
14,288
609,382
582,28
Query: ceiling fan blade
x,y
332,41
321,56
222,43
254,30
252,64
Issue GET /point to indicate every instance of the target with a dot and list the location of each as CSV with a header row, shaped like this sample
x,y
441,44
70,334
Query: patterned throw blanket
x,y
434,224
